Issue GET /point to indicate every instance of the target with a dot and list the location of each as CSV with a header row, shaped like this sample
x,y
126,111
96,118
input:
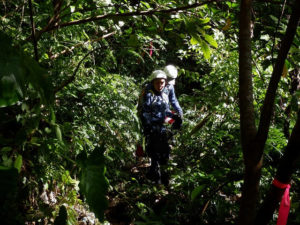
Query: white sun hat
x,y
171,72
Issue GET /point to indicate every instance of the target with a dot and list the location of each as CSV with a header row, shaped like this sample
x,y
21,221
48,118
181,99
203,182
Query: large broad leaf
x,y
197,191
205,49
93,183
18,72
133,41
211,40
18,163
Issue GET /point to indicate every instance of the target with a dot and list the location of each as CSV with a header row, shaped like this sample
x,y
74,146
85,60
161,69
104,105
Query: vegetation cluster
x,y
71,72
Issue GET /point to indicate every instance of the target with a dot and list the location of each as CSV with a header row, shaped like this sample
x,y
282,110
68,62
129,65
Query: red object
x,y
139,151
284,208
151,49
169,120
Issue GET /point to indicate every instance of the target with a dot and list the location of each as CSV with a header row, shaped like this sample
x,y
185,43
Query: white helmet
x,y
171,73
158,74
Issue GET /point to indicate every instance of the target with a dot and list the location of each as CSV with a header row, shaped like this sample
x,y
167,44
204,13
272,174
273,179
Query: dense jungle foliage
x,y
71,72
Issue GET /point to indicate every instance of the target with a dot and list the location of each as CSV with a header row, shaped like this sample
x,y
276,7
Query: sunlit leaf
x,y
211,40
194,41
58,133
205,49
205,20
284,71
18,163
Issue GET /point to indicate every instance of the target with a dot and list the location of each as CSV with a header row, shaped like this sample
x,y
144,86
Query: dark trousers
x,y
158,149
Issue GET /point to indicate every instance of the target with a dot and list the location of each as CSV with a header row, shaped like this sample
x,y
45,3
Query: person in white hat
x,y
155,109
172,73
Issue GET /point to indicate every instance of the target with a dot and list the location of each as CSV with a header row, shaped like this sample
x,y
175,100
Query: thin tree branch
x,y
259,73
72,78
81,44
22,14
268,105
53,20
272,2
85,10
274,37
128,14
33,32
201,124
232,178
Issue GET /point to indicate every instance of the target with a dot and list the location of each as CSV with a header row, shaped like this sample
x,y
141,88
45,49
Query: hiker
x,y
155,111
171,99
169,90
172,73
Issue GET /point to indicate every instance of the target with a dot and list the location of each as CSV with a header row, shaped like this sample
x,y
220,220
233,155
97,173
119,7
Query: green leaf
x,y
58,132
205,49
133,41
194,41
205,20
134,53
6,149
146,4
93,183
274,18
211,40
17,70
7,161
197,191
18,163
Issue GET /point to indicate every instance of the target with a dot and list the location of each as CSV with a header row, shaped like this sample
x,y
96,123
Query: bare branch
x,y
22,14
33,32
53,20
274,37
201,124
72,78
128,14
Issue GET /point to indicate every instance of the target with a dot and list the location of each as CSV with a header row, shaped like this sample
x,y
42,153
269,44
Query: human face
x,y
159,84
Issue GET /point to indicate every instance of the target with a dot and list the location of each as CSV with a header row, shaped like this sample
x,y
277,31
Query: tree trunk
x,y
286,43
247,119
253,141
284,173
292,154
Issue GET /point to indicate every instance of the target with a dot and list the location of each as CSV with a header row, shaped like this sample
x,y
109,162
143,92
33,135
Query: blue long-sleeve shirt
x,y
155,109
173,100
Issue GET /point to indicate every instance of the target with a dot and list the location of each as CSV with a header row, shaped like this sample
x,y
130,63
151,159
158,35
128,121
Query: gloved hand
x,y
178,122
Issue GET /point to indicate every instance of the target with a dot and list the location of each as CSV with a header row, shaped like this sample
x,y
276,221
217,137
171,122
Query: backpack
x,y
141,99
